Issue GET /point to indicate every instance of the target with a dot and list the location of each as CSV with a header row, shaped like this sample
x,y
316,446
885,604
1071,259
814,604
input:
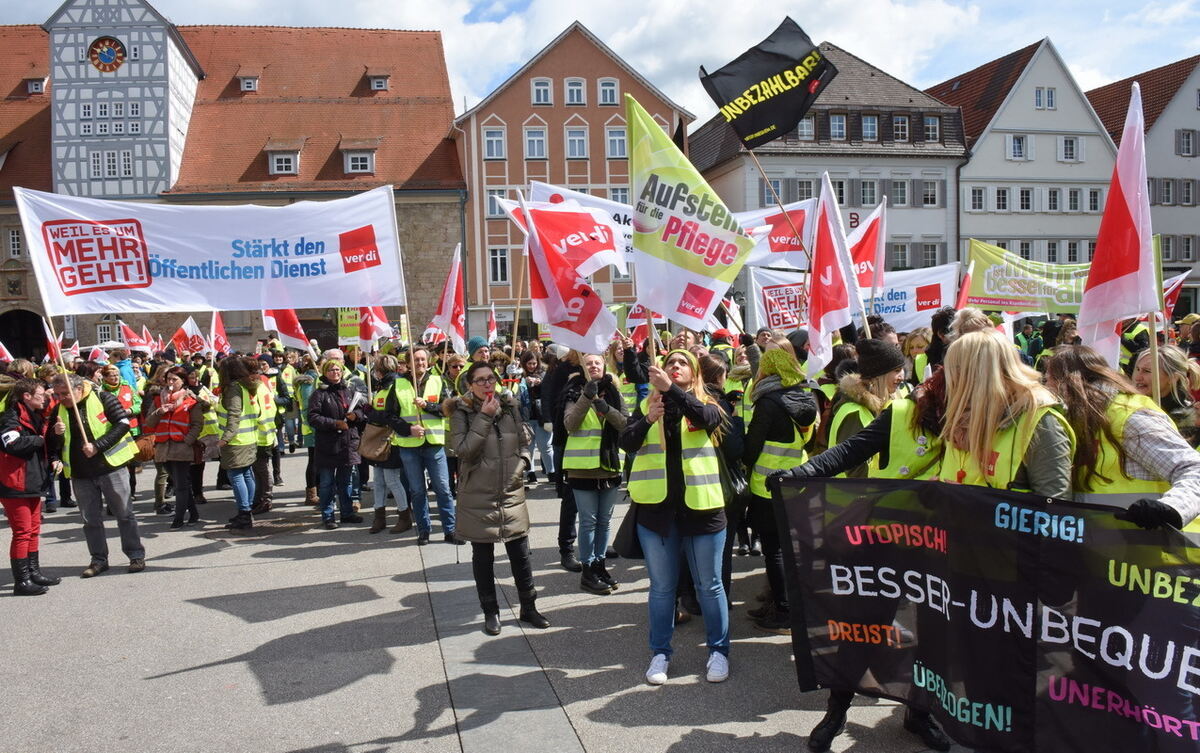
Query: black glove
x,y
606,381
600,405
746,340
775,478
591,389
1150,514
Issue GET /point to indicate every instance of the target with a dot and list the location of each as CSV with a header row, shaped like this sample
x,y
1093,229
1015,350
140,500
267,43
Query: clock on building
x,y
107,54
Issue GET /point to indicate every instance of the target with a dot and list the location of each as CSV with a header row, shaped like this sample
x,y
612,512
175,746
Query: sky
x,y
922,42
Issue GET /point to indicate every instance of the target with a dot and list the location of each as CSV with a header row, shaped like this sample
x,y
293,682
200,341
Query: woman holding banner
x,y
1129,453
675,484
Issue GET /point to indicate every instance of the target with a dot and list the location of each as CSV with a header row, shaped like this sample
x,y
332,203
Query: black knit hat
x,y
876,358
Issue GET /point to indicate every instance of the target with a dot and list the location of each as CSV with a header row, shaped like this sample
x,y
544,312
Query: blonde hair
x,y
1182,372
970,320
920,333
987,386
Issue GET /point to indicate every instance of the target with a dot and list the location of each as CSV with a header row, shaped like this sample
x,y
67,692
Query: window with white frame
x,y
493,206
929,255
1052,251
1166,245
360,162
135,52
118,109
933,128
535,143
1025,248
1187,248
1070,149
497,266
118,127
608,91
839,191
870,127
929,193
615,138
14,243
1016,148
867,191
978,199
577,143
135,109
1039,98
899,193
1168,191
493,143
1051,102
900,127
1025,199
806,129
837,127
1091,250
770,189
101,109
126,164
249,83
619,195
379,83
804,189
283,163
85,110
1187,192
1073,199
1093,199
1187,142
1053,200
899,254
1001,199
1072,252
96,162
542,94
85,129
104,332
575,93
110,165
102,128
135,126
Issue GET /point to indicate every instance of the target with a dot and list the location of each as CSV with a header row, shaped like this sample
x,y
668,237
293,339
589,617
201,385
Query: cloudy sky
x,y
922,42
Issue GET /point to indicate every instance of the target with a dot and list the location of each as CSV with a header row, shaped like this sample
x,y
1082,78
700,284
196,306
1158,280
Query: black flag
x,y
766,91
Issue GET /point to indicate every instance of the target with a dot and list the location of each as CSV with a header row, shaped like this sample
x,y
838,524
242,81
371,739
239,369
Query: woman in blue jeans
x,y
237,417
335,419
593,417
675,485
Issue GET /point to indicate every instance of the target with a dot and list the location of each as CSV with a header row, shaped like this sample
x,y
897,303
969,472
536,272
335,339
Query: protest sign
x,y
1003,281
93,256
1023,624
621,214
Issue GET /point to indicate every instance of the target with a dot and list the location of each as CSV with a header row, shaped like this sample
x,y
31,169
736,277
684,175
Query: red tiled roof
x,y
980,92
313,86
1159,87
24,117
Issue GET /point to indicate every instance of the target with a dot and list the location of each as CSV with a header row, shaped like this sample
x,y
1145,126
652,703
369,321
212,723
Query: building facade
x,y
559,119
1040,159
877,137
1171,110
111,100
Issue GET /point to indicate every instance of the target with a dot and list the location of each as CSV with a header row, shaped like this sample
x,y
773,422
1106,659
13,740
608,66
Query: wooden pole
x,y
524,273
62,364
1156,390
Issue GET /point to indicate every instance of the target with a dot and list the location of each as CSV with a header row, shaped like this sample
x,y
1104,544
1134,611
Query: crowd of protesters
x,y
696,431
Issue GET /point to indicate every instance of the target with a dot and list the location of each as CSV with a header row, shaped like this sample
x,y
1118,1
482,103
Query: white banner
x,y
94,256
906,301
780,247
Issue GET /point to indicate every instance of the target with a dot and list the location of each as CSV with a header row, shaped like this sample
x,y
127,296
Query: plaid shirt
x,y
1154,451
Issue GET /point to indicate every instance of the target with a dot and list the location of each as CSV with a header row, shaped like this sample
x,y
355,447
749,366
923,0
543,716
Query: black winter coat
x,y
334,447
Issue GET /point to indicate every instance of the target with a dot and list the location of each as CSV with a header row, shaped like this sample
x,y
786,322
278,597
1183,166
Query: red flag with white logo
x,y
834,286
779,245
491,327
188,338
97,354
132,339
1123,280
451,316
432,335
216,334
74,349
1171,289
585,236
868,246
53,346
286,324
372,325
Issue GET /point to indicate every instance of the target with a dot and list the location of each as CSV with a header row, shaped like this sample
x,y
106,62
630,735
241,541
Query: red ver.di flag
x,y
286,324
586,237
451,314
188,338
834,285
93,256
780,246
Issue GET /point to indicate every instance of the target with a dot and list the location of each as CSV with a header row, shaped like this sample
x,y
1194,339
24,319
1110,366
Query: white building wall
x,y
182,84
1044,169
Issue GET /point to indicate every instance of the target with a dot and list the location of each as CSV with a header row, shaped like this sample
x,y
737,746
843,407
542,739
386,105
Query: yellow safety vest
x,y
865,416
1008,452
628,394
92,410
920,363
778,456
267,410
1120,490
701,469
247,428
745,406
306,429
406,395
1126,353
209,401
912,454
582,450
380,403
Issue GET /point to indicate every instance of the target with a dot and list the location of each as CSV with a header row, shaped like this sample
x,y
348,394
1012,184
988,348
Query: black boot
x,y
242,521
570,562
590,581
921,724
529,611
37,576
602,574
23,586
832,723
491,618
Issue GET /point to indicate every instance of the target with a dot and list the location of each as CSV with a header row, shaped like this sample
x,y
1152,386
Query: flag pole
x,y
62,364
1154,367
524,274
779,203
876,272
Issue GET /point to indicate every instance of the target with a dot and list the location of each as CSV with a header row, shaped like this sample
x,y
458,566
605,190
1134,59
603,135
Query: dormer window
x,y
35,85
247,77
358,154
283,155
378,79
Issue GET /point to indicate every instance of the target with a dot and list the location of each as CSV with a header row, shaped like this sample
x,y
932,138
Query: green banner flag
x,y
347,326
1003,281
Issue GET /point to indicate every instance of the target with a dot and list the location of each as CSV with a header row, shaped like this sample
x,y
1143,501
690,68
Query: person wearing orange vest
x,y
176,420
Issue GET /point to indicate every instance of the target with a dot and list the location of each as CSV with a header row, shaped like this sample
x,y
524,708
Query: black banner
x,y
1023,624
765,92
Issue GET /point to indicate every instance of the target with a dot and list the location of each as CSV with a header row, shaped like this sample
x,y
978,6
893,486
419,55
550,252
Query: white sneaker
x,y
718,667
656,674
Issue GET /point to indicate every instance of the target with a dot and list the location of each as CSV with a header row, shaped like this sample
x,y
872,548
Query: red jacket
x,y
24,463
